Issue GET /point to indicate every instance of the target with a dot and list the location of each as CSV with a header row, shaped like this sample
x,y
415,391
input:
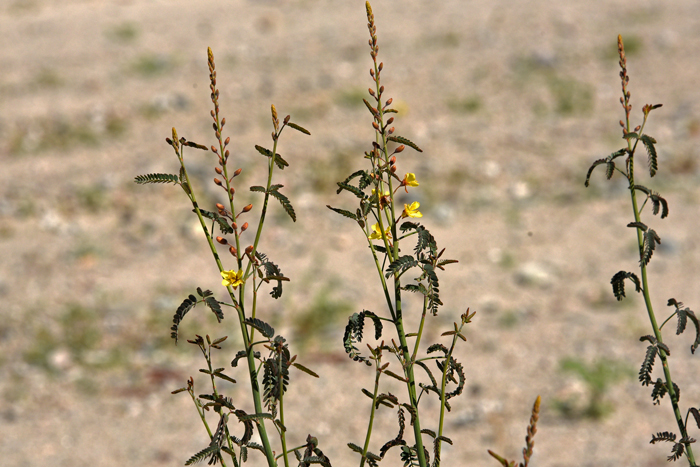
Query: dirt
x,y
510,101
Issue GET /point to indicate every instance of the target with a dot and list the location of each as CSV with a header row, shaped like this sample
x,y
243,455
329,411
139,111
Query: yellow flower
x,y
409,180
377,232
386,192
232,278
412,210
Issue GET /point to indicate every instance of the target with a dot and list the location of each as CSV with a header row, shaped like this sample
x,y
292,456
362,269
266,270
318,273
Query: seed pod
x,y
248,208
223,122
217,181
249,249
220,207
400,148
218,170
228,140
233,251
222,240
244,227
234,226
390,121
237,172
232,191
392,161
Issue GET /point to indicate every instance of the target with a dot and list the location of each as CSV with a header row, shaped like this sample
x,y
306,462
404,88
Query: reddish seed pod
x,y
228,140
226,153
217,181
222,240
248,208
371,72
244,227
381,65
391,130
249,249
393,169
389,101
234,226
214,150
223,122
233,251
390,121
381,89
374,124
221,161
218,170
220,207
237,172
232,191
400,148
214,126
213,115
622,124
637,128
371,92
392,161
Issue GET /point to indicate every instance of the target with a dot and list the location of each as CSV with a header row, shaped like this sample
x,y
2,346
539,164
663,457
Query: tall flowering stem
x,y
647,239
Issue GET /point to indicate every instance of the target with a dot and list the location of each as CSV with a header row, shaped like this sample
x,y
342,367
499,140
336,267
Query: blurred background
x,y
511,101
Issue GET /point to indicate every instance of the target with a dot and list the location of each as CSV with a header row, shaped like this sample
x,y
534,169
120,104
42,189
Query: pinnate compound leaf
x,y
214,305
402,140
354,332
618,283
354,190
343,212
186,305
285,204
650,240
264,328
400,265
398,441
649,142
222,221
298,128
203,454
665,436
156,178
395,376
610,165
647,365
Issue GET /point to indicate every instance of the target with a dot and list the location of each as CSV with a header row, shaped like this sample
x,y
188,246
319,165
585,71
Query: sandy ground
x,y
511,101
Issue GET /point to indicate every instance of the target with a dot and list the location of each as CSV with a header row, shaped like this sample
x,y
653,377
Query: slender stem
x,y
650,310
371,416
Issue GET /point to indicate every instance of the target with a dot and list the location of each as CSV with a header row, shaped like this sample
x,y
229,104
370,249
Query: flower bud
x,y
234,226
248,208
244,227
381,89
237,172
390,121
249,249
220,207
381,65
393,169
228,140
223,122
286,119
222,240
226,153
400,148
232,190
218,170
389,101
391,130
374,124
213,115
392,161
214,150
217,181
233,251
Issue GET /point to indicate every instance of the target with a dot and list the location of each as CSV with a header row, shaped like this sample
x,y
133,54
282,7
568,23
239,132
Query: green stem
x,y
241,319
652,317
370,424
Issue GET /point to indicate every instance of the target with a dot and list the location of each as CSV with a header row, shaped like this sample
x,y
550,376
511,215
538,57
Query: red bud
x,y
233,251
218,170
248,208
244,227
222,240
237,172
